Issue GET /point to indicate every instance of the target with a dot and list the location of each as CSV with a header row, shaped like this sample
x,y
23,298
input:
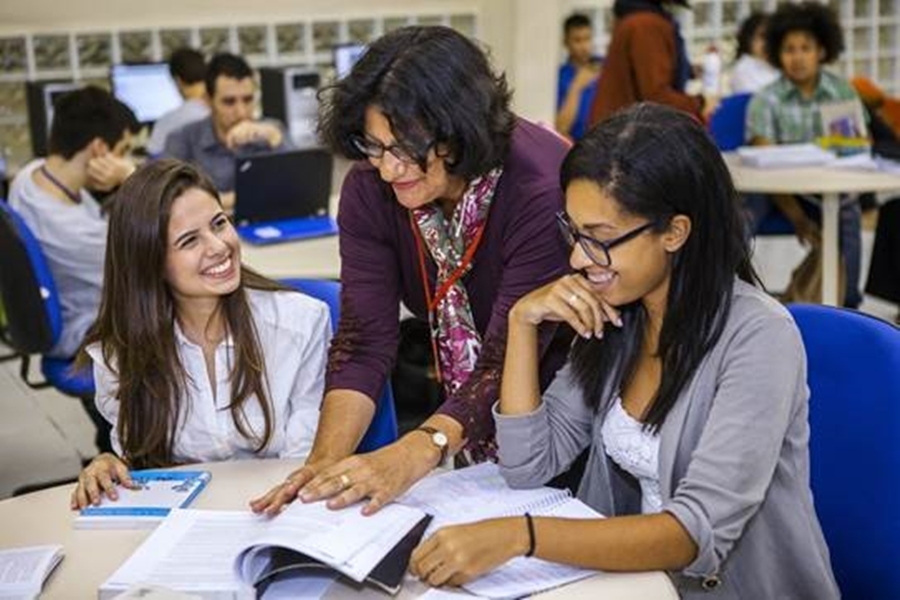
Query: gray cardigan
x,y
733,460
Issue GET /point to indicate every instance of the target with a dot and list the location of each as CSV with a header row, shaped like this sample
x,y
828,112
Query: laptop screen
x,y
282,185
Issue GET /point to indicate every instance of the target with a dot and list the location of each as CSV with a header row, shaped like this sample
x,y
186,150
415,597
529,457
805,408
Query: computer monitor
x,y
148,89
41,97
345,56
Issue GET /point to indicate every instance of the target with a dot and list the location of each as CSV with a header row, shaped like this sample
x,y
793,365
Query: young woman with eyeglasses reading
x,y
687,386
451,211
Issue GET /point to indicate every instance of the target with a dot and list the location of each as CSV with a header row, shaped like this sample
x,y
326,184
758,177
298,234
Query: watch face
x,y
440,438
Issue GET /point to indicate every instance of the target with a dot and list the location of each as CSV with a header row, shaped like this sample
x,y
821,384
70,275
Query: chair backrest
x,y
33,313
854,414
727,123
383,429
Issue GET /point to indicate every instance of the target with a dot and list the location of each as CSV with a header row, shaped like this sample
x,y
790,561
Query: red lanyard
x,y
431,303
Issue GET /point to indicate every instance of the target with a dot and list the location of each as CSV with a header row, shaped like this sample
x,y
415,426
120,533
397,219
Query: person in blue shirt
x,y
578,77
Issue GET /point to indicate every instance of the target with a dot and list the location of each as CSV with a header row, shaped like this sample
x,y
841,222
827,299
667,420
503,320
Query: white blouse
x,y
294,333
751,74
636,450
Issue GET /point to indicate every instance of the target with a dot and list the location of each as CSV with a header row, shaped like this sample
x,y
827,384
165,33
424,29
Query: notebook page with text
x,y
475,493
522,576
191,551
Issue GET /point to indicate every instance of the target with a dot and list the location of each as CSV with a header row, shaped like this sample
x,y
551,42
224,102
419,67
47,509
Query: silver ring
x,y
345,481
573,298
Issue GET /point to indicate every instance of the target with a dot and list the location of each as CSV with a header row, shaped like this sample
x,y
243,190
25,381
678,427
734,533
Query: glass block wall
x,y
871,32
87,55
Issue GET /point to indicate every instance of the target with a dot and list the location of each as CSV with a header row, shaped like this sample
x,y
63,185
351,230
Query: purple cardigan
x,y
520,250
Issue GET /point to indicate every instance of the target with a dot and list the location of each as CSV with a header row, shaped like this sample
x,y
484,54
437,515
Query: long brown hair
x,y
136,323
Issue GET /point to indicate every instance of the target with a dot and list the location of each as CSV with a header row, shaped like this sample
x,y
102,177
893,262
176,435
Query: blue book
x,y
158,493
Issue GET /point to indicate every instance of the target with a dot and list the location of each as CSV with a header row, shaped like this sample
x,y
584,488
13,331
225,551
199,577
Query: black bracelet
x,y
530,523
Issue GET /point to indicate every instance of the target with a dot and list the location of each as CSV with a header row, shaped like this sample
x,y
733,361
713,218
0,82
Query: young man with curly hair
x,y
802,38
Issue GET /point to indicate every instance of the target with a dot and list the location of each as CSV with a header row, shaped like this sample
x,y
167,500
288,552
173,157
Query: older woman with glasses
x,y
451,211
687,387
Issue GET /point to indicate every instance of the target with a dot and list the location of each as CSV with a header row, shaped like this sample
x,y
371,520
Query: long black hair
x,y
658,162
436,87
747,32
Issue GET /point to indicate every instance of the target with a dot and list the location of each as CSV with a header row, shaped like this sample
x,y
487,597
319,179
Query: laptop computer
x,y
283,196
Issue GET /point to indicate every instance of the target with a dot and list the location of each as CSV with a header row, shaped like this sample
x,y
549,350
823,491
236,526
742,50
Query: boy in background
x,y
802,38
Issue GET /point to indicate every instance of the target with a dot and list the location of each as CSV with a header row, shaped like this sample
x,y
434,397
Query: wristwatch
x,y
439,439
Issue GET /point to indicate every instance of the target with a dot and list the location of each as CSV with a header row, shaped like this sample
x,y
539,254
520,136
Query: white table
x,y
91,556
317,258
830,183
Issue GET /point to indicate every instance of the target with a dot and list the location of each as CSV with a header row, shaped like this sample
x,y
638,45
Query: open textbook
x,y
24,570
236,554
480,492
226,554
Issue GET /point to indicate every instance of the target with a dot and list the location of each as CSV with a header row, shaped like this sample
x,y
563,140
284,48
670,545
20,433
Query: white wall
x,y
522,35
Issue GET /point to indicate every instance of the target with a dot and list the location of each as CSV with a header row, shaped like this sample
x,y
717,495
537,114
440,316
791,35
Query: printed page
x,y
473,494
346,539
523,576
23,570
191,551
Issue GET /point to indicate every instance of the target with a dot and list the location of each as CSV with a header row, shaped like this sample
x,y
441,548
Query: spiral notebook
x,y
480,492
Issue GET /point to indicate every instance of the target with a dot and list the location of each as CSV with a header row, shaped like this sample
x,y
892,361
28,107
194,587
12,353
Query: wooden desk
x,y
91,556
830,183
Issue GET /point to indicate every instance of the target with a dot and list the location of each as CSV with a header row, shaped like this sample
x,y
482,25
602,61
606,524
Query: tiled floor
x,y
45,435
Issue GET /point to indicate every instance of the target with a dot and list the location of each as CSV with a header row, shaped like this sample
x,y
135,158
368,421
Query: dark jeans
x,y
884,270
849,234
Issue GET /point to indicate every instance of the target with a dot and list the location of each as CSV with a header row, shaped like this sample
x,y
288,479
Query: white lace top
x,y
636,451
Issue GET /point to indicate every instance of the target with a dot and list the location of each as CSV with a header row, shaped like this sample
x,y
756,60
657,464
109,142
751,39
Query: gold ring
x,y
345,481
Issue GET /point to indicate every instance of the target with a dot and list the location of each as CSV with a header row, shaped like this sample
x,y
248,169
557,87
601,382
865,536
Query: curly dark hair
x,y
436,88
747,30
818,20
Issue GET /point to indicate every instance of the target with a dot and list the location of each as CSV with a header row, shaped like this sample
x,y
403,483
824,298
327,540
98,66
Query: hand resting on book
x,y
100,477
458,554
380,476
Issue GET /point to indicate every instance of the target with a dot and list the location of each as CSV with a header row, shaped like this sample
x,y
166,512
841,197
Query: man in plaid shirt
x,y
802,38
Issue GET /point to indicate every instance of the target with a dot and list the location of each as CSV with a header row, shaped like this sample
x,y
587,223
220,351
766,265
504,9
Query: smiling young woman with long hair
x,y
196,357
687,387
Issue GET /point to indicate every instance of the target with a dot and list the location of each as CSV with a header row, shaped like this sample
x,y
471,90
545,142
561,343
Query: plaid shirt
x,y
780,114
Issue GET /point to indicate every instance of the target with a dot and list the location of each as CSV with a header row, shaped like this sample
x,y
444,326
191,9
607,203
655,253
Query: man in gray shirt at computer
x,y
56,197
230,130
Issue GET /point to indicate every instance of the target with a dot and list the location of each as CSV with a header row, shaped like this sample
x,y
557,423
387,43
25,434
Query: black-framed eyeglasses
x,y
596,250
376,150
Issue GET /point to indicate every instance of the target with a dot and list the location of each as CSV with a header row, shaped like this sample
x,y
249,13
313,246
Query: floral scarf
x,y
452,325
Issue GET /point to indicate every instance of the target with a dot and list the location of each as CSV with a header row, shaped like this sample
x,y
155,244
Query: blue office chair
x,y
34,319
33,313
383,429
727,126
854,414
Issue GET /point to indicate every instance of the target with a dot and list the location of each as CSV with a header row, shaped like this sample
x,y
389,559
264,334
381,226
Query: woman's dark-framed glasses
x,y
376,150
596,250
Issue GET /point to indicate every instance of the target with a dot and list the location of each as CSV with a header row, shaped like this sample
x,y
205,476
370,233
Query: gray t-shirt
x,y
73,238
189,112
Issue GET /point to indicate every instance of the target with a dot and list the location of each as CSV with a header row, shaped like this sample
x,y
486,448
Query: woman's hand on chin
x,y
569,299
